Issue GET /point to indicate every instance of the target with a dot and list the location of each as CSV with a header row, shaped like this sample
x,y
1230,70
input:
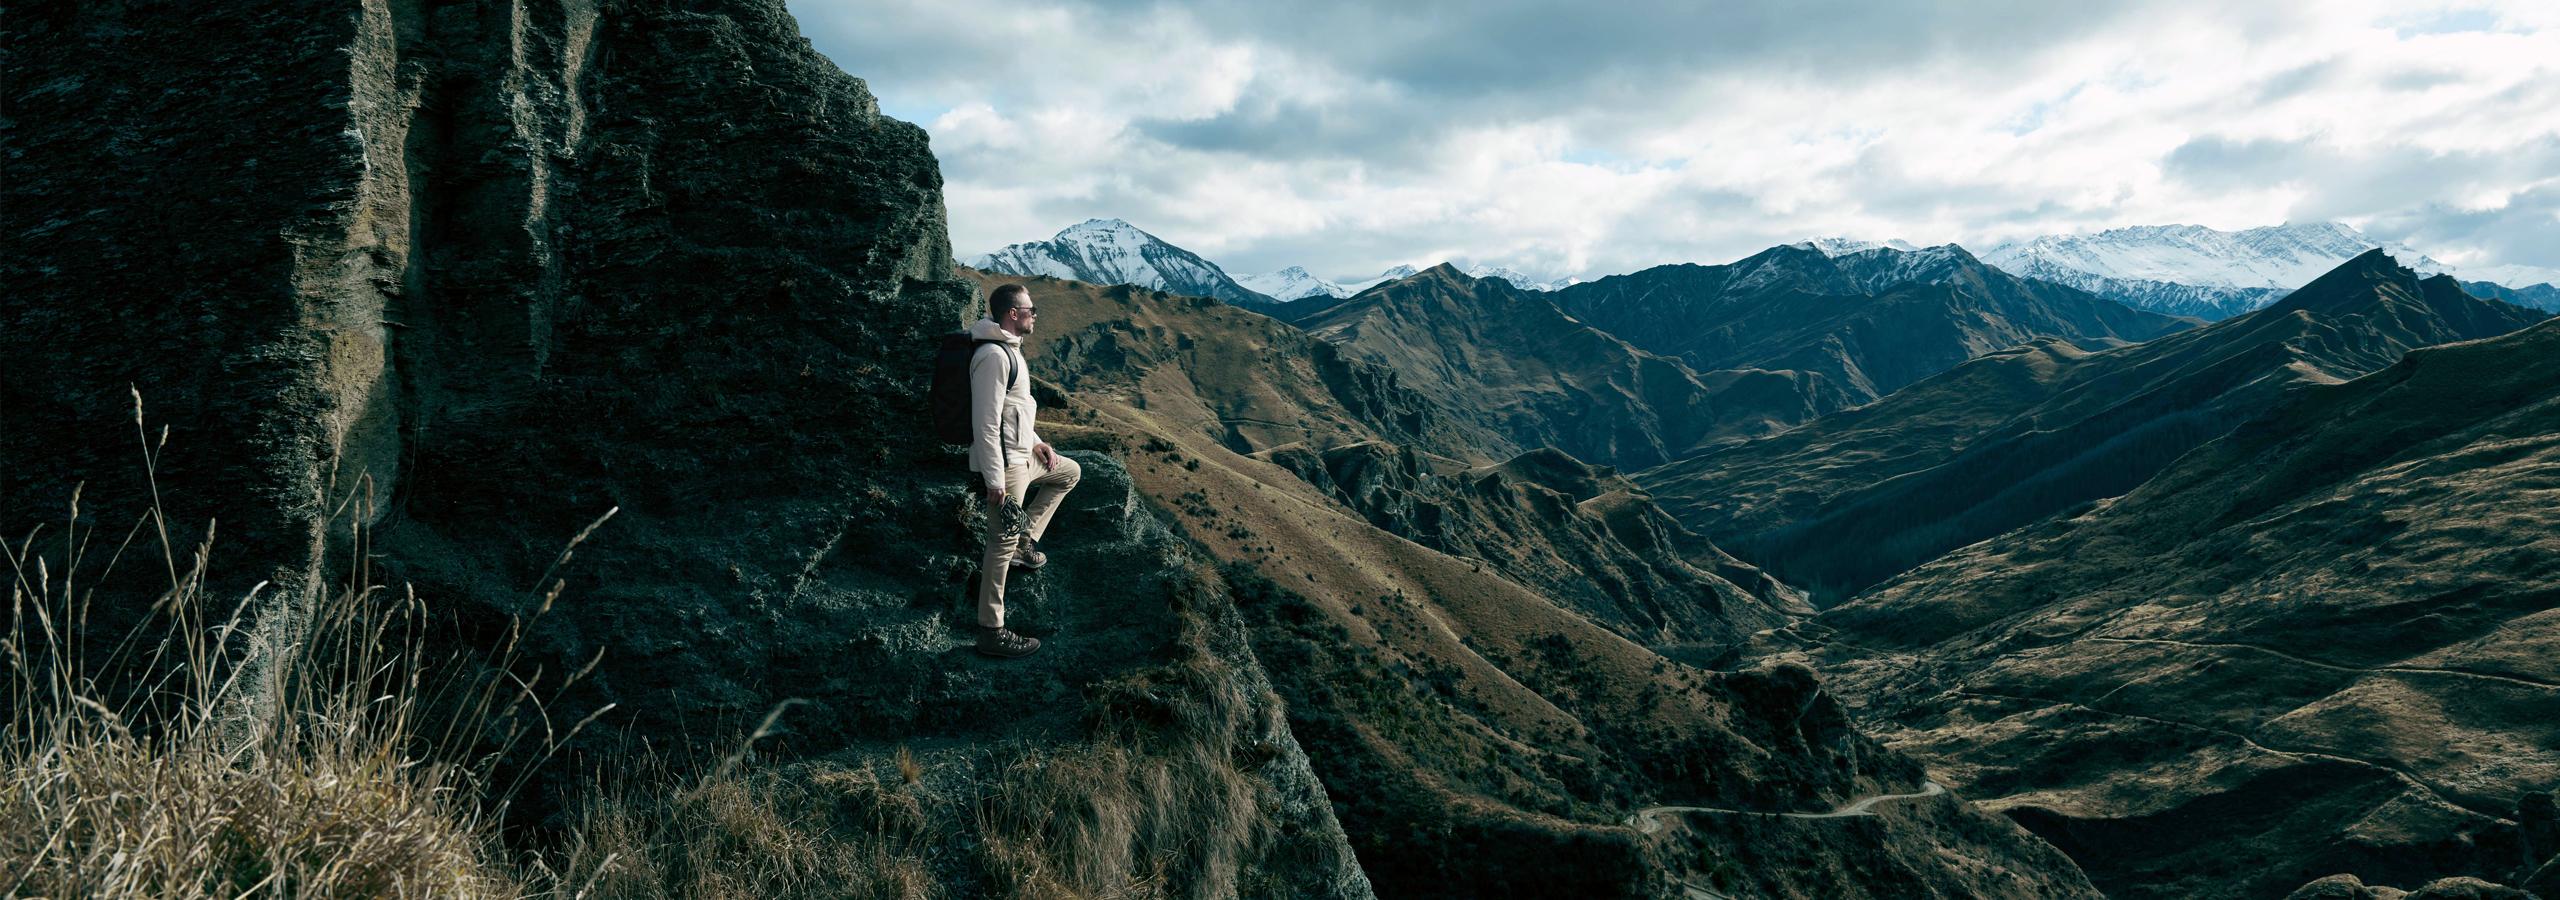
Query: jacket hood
x,y
988,330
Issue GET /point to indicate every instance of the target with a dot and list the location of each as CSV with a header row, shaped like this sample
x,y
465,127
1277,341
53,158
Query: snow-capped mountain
x,y
1843,246
1517,278
1111,251
1292,283
1398,273
2194,270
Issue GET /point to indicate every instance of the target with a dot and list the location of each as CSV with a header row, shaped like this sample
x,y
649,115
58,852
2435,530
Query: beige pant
x,y
1034,491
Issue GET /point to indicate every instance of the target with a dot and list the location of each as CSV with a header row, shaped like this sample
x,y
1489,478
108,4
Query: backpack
x,y
949,399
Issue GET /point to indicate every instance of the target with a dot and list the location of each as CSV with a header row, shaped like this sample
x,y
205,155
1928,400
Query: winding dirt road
x,y
1648,821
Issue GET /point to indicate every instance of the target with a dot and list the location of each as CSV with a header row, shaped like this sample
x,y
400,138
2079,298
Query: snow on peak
x,y
1517,278
2280,256
1112,251
1843,246
1398,273
1292,283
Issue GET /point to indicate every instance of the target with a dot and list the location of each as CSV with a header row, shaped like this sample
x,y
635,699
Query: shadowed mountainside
x,y
1999,442
2321,644
1515,364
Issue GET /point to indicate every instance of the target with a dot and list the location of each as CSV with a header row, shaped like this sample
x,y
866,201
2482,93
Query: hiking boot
x,y
1029,557
1004,644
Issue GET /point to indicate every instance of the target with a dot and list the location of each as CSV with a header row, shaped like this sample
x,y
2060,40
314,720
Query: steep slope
x,y
1849,500
1480,737
1863,324
473,277
2321,644
1513,362
2191,270
1111,251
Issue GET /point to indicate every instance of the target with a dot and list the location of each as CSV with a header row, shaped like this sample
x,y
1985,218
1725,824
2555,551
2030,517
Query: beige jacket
x,y
999,419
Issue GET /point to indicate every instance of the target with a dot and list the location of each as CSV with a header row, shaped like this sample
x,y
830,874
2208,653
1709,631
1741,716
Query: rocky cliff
x,y
492,269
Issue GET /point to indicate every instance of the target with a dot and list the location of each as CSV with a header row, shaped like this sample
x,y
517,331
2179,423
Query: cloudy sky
x,y
1579,138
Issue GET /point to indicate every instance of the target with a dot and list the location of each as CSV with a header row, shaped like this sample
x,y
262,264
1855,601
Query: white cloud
x,y
1564,140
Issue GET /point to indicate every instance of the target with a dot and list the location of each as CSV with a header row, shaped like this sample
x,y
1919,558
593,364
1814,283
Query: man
x,y
1024,478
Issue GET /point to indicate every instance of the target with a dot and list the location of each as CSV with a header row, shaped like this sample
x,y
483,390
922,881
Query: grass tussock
x,y
800,831
272,746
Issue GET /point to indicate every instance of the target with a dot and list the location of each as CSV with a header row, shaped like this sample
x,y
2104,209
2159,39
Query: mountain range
x,y
2179,270
1860,325
1999,442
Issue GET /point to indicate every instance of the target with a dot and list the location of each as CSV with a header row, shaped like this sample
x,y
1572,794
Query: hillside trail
x,y
1647,820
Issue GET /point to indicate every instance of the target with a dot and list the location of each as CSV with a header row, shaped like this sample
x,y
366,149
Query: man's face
x,y
1023,314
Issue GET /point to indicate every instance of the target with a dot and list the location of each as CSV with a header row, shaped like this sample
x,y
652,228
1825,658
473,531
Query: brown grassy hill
x,y
1846,501
1865,324
1518,365
2322,644
1580,534
1480,737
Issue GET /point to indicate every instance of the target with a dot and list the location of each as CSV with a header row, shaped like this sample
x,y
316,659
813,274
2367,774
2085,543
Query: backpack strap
x,y
1011,377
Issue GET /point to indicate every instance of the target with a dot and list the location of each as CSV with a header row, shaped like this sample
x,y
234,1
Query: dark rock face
x,y
228,246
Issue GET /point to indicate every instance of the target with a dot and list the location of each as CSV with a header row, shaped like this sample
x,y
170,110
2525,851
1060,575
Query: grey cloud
x,y
2298,80
2526,231
2217,163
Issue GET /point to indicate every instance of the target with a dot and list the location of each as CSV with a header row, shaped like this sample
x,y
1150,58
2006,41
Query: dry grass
x,y
804,831
265,754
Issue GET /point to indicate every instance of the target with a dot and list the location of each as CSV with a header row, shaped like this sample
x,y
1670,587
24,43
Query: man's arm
x,y
986,414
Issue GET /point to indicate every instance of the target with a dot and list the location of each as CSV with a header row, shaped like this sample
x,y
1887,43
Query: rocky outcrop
x,y
469,275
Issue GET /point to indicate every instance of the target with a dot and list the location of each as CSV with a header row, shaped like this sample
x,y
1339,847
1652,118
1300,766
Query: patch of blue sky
x,y
2445,21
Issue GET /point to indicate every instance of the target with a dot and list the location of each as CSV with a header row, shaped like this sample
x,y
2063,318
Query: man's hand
x,y
1046,456
995,496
